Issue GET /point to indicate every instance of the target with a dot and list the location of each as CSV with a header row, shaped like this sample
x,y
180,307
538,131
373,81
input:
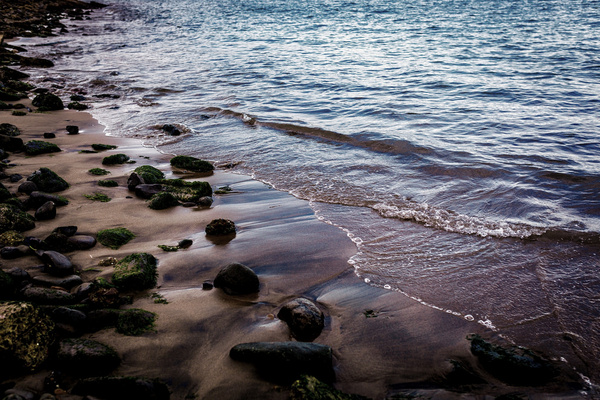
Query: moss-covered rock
x,y
135,272
107,183
220,227
187,191
4,193
13,219
11,238
48,181
162,201
114,237
7,286
9,130
98,171
310,388
86,357
25,336
75,105
149,174
135,321
98,197
47,296
191,164
115,159
102,147
35,147
48,102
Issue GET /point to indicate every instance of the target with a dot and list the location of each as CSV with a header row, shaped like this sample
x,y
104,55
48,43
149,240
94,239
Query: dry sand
x,y
405,348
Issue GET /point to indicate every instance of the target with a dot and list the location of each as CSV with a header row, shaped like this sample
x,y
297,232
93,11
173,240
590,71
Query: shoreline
x,y
402,348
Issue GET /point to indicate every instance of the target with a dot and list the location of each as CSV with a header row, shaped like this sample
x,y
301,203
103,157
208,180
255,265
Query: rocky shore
x,y
130,274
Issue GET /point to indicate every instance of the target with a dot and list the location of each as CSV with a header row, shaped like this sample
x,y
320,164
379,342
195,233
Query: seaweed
x,y
114,237
115,159
149,174
98,197
107,183
98,171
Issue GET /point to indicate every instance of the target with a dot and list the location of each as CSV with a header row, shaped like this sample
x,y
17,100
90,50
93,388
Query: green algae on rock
x,y
192,164
98,171
107,183
162,201
310,388
13,219
135,272
114,237
48,102
115,159
149,174
35,147
98,197
48,180
135,321
102,147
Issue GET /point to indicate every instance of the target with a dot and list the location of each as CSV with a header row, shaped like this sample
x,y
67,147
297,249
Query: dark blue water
x,y
457,142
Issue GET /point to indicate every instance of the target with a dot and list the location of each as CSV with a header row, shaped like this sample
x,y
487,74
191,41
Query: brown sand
x,y
406,348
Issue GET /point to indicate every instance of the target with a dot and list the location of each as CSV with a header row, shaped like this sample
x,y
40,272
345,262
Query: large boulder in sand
x,y
287,361
235,279
26,336
86,357
48,102
304,319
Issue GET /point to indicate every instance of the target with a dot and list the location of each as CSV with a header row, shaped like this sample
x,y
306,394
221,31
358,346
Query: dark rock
x,y
4,193
8,285
162,201
83,290
15,178
114,237
48,181
115,159
310,388
56,241
57,264
171,130
149,174
123,388
48,102
17,394
220,227
35,243
304,318
75,105
27,187
49,135
11,253
77,97
36,147
37,199
81,242
135,321
207,285
74,319
103,147
13,219
185,243
134,181
72,129
18,274
191,164
26,335
46,211
146,191
287,361
68,231
42,295
9,143
205,201
9,130
235,279
7,73
105,297
86,357
66,282
135,272
103,318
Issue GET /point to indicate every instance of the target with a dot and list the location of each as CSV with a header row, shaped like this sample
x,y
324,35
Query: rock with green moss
x,y
135,322
48,181
47,296
107,183
102,147
86,357
101,197
220,227
310,388
26,336
35,147
114,237
162,201
115,159
123,388
149,174
135,272
191,164
48,102
13,219
11,238
186,191
98,171
9,130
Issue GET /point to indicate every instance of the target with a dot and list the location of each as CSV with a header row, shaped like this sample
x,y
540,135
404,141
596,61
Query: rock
x,y
11,238
66,230
70,320
16,394
40,295
72,129
101,319
172,130
310,388
18,274
123,388
49,135
37,199
13,219
75,105
48,181
66,282
134,180
8,285
35,243
191,164
35,147
103,147
81,242
27,187
162,201
15,178
304,318
10,143
48,102
114,237
82,291
12,253
220,227
146,191
287,361
105,297
86,357
135,272
46,211
4,193
26,336
57,264
207,285
205,201
115,159
135,321
9,130
185,243
515,365
235,279
149,174
56,241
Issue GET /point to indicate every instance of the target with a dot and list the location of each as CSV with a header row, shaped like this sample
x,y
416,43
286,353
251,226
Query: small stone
x,y
27,187
15,178
205,201
49,135
46,211
304,318
81,242
236,279
72,129
185,243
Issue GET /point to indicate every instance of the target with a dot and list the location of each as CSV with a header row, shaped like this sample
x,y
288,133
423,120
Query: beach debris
x,y
86,357
98,171
304,318
27,335
123,388
114,237
118,158
237,279
287,361
370,314
191,164
224,190
108,262
48,102
46,211
48,180
13,219
220,227
308,387
162,201
135,272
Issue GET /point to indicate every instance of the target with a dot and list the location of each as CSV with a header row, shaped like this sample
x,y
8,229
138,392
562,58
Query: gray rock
x,y
57,264
146,191
86,357
74,319
287,361
46,211
66,282
50,296
11,253
304,318
81,242
205,201
237,279
134,180
27,187
37,199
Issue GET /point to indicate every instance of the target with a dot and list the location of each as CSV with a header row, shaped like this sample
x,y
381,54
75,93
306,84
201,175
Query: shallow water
x,y
455,141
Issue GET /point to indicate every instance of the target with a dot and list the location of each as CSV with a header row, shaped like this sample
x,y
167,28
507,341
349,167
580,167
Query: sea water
x,y
457,142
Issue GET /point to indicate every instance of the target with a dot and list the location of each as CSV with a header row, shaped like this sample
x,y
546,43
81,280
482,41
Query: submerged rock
x,y
236,279
304,318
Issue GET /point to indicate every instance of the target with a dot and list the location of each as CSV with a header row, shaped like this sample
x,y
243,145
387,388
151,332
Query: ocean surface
x,y
457,142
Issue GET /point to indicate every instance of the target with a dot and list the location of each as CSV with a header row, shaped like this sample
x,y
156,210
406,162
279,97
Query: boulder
x,y
48,102
236,279
86,357
35,147
26,335
162,201
48,181
37,199
146,191
304,318
149,173
27,187
72,129
115,159
57,264
12,253
13,219
80,242
134,180
135,272
66,282
46,211
287,361
49,296
123,388
220,227
191,164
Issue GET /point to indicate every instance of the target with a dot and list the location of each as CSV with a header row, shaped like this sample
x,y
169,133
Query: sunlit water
x,y
457,142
